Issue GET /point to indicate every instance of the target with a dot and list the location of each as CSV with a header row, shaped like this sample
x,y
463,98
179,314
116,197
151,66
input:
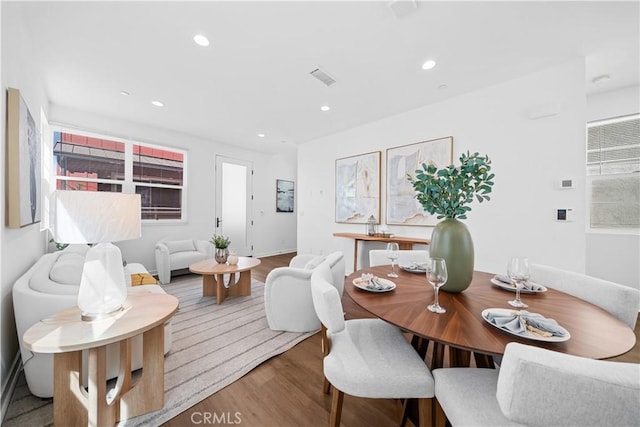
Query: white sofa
x,y
172,255
287,292
50,286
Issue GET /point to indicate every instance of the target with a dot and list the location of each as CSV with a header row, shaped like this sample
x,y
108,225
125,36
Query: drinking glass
x,y
393,252
437,276
518,271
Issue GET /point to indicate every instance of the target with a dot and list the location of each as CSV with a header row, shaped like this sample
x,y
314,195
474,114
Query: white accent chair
x,y
287,292
621,301
535,386
406,257
172,255
367,357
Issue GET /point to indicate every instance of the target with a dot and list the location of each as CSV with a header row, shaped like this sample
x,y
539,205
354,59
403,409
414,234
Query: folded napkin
x,y
526,286
521,321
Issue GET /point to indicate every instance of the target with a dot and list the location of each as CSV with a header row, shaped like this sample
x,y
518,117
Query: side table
x,y
66,336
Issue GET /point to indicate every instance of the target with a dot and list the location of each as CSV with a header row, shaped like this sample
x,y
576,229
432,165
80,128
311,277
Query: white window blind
x,y
613,172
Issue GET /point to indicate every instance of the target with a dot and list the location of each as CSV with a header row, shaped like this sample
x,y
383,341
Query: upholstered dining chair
x,y
621,301
406,257
535,386
367,357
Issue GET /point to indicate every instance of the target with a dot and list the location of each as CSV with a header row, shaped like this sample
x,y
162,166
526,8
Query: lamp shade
x,y
95,216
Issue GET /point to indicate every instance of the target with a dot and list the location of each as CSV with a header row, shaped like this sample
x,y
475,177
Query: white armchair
x,y
287,294
172,255
535,386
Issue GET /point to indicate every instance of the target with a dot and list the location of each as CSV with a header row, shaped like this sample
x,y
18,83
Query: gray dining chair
x,y
406,257
367,357
621,301
535,386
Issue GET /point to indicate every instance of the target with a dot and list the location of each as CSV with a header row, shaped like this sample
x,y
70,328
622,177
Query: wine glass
x,y
518,271
393,252
437,276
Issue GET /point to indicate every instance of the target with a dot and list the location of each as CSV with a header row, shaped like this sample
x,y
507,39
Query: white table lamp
x,y
98,218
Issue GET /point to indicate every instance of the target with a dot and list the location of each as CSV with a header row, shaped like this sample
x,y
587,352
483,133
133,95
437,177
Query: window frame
x,y
128,184
590,178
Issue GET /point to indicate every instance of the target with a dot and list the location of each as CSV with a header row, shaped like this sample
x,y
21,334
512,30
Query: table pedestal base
x,y
213,285
73,405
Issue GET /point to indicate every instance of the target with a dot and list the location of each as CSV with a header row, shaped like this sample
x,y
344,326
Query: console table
x,y
66,335
405,243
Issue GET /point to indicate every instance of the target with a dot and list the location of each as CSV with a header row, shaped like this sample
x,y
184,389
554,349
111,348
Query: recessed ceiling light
x,y
158,103
261,135
201,40
124,92
601,79
325,108
429,64
443,87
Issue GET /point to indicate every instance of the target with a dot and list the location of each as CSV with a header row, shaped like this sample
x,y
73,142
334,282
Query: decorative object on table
x,y
284,195
447,192
504,282
393,252
402,206
358,188
23,163
519,272
98,218
437,276
371,283
372,226
221,244
232,259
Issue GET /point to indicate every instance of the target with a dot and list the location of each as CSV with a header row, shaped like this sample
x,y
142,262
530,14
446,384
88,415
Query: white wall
x,y
272,233
529,158
614,256
20,247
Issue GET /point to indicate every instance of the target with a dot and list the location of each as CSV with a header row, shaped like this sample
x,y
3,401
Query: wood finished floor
x,y
287,389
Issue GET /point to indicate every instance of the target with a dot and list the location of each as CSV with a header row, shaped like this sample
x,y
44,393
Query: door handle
x,y
218,222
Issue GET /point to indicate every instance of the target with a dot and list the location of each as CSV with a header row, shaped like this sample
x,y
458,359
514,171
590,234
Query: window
x,y
613,173
96,163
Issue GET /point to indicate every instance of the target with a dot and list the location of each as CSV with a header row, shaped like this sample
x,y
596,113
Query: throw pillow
x,y
67,269
143,279
180,246
314,262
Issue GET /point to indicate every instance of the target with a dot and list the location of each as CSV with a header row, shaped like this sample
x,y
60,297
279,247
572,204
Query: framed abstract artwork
x,y
23,184
358,188
402,206
284,195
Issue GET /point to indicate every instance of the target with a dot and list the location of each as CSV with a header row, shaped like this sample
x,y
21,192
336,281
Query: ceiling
x,y
254,78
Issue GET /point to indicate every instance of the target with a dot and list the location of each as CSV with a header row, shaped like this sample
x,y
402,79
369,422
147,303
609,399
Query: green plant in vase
x,y
221,244
447,192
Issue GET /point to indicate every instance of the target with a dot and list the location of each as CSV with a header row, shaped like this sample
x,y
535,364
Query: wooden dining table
x,y
595,333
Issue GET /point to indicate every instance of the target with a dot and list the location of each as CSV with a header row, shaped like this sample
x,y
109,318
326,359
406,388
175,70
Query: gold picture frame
x,y
23,163
358,188
402,207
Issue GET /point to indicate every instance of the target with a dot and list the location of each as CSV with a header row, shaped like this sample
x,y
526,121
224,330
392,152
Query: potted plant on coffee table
x,y
221,244
447,192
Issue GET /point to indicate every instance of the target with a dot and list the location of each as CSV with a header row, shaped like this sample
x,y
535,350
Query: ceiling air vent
x,y
323,77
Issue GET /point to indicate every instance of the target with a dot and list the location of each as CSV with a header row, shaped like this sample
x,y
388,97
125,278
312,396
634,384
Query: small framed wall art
x,y
358,188
284,195
23,184
402,206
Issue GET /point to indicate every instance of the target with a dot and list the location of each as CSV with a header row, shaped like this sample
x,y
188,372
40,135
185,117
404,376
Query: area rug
x,y
213,346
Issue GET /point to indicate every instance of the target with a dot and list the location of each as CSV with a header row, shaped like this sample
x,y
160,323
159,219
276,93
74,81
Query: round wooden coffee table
x,y
213,277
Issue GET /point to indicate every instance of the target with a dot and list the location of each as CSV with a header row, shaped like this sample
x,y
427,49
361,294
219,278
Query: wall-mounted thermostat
x,y
565,214
566,183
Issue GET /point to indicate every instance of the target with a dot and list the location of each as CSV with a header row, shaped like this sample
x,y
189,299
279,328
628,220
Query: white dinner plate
x,y
365,286
511,287
528,334
414,268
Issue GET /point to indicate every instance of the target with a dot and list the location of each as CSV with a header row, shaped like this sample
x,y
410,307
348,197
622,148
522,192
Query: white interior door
x,y
233,203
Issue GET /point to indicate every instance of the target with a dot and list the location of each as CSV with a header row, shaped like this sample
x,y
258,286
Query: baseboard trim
x,y
10,385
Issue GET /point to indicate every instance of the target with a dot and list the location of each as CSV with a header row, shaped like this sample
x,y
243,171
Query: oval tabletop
x,y
66,331
210,266
595,333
